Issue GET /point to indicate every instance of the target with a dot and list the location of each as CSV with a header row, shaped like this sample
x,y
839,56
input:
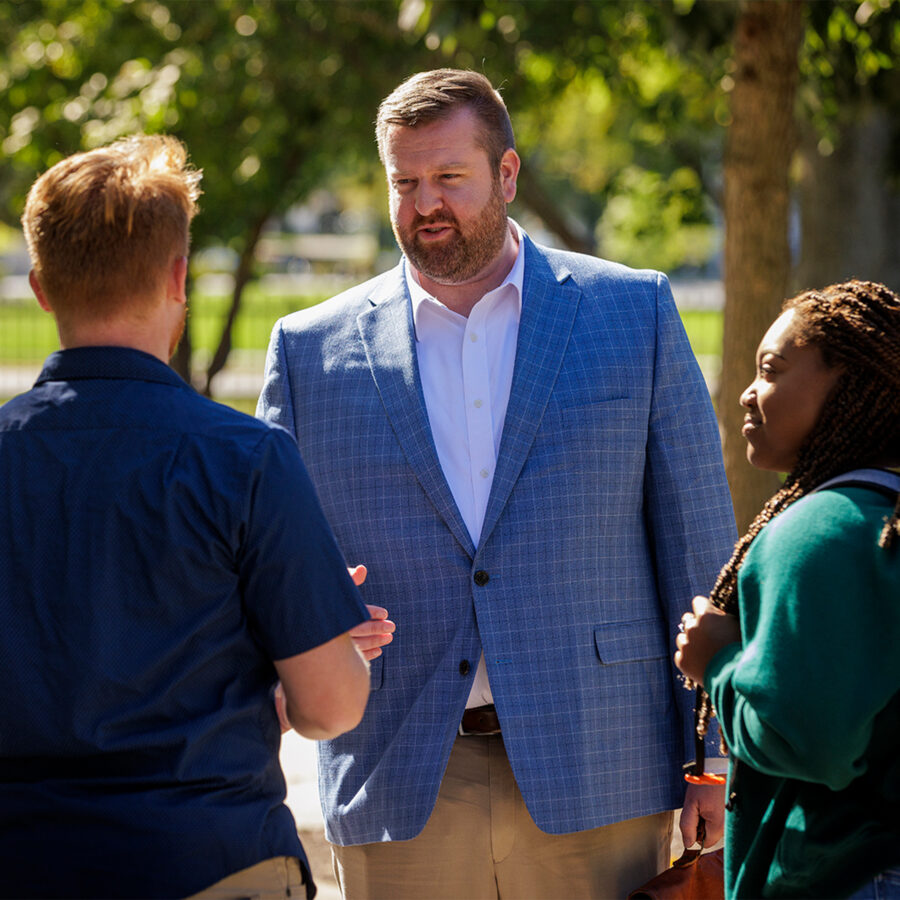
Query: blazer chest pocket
x,y
635,641
613,431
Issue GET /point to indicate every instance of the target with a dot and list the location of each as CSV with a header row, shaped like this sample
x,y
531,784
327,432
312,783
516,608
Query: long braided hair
x,y
856,326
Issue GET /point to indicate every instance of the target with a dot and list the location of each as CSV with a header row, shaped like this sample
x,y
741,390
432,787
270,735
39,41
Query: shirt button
x,y
484,473
481,578
464,667
473,337
478,403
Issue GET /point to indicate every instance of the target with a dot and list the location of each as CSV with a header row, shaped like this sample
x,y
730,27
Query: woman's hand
x,y
704,632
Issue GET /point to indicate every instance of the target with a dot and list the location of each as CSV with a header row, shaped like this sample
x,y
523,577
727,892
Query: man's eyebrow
x,y
449,164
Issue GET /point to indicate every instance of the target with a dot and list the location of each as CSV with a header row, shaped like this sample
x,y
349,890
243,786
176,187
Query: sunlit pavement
x,y
298,760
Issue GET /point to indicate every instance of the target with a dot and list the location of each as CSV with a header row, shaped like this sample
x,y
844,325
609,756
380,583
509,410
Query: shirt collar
x,y
514,278
107,362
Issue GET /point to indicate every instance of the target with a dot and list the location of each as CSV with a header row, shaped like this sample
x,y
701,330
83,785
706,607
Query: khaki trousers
x,y
273,879
480,843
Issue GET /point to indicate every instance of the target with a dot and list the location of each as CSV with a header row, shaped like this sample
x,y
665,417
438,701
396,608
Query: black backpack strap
x,y
883,481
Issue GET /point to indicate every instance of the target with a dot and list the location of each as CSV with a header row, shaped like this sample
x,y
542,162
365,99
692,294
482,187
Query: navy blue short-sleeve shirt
x,y
157,552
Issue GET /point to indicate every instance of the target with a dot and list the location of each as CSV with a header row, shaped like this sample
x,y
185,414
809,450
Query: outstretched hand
x,y
371,636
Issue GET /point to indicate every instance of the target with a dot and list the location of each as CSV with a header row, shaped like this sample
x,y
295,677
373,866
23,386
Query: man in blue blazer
x,y
519,445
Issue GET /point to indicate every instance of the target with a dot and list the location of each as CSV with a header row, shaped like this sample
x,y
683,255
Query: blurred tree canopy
x,y
275,98
621,107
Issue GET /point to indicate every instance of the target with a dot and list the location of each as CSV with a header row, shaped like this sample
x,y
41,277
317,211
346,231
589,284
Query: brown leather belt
x,y
480,720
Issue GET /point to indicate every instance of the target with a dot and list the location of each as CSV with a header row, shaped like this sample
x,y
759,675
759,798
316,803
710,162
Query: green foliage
x,y
620,106
620,93
269,96
849,57
658,222
276,97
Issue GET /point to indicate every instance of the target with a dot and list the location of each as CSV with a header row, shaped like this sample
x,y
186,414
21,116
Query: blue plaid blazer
x,y
609,511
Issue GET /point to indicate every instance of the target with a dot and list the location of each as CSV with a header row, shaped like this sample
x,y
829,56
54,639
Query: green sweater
x,y
809,703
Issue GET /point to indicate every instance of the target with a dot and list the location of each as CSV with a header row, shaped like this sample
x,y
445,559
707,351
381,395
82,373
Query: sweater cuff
x,y
722,660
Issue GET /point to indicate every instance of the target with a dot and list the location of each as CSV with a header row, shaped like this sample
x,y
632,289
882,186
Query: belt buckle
x,y
484,733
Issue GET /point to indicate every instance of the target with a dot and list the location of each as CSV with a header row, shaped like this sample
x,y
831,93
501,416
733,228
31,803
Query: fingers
x,y
374,628
369,637
370,644
679,653
358,574
715,829
703,804
689,822
374,634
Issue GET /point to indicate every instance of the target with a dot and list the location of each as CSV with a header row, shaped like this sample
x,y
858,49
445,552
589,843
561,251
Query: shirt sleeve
x,y
296,589
819,661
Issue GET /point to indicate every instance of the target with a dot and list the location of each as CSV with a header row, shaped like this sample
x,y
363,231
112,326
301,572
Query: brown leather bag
x,y
693,876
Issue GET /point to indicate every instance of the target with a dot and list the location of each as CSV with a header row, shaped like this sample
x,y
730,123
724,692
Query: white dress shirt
x,y
466,367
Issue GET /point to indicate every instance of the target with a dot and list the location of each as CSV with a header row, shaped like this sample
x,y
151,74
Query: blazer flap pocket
x,y
376,673
621,642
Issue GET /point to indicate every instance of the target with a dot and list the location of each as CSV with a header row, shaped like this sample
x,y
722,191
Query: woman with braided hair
x,y
798,646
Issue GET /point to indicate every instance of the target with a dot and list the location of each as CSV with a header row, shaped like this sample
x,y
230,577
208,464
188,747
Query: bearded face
x,y
447,199
451,248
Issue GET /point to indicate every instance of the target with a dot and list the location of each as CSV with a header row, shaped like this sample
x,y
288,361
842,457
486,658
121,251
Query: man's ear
x,y
509,172
39,292
178,279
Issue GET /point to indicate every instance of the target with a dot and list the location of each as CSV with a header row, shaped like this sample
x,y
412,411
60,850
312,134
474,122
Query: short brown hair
x,y
430,96
103,226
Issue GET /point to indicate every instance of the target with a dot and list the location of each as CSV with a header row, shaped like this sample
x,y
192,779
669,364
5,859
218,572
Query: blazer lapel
x,y
549,303
388,335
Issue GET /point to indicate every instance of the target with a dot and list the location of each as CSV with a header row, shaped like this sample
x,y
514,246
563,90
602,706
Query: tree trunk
x,y
849,205
759,144
242,275
532,194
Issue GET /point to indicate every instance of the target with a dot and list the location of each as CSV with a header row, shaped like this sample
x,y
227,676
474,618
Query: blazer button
x,y
481,578
464,667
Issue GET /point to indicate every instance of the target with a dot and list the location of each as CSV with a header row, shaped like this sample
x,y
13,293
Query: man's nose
x,y
428,199
748,397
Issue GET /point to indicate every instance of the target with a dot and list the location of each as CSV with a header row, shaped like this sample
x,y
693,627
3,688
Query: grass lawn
x,y
28,335
704,331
